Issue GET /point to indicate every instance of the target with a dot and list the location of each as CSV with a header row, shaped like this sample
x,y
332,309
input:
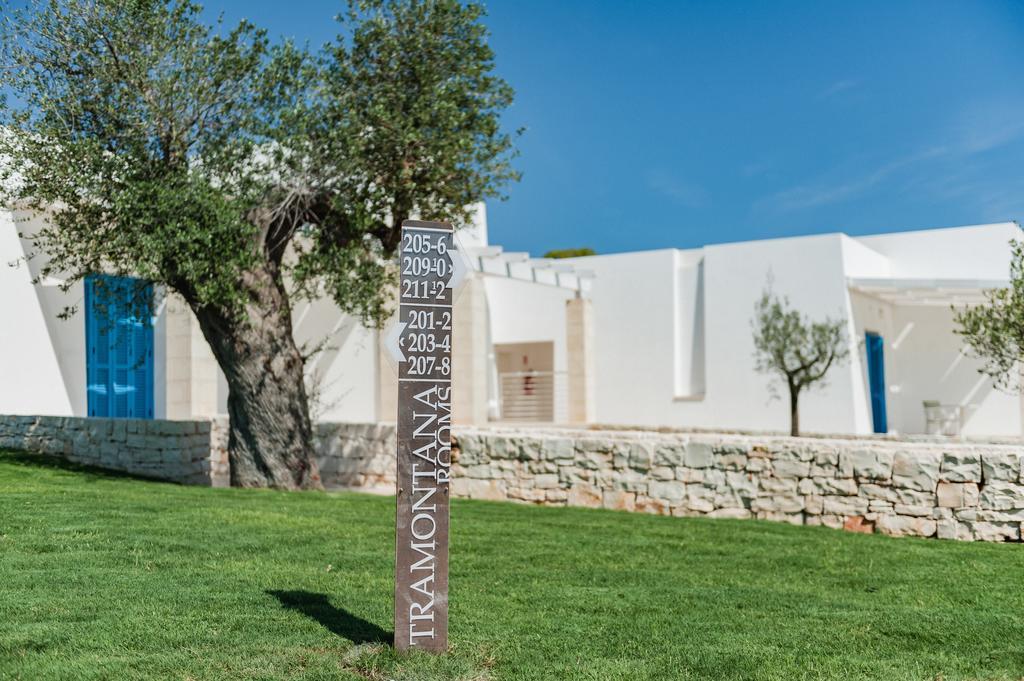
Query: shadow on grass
x,y
54,462
336,620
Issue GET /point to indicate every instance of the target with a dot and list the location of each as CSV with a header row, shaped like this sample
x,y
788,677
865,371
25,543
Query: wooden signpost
x,y
422,344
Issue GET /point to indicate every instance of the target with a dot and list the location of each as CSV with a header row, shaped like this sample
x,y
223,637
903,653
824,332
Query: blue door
x,y
119,349
876,381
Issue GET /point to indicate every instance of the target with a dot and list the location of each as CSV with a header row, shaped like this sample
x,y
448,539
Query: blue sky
x,y
656,124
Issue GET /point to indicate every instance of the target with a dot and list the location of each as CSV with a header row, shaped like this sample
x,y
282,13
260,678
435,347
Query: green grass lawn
x,y
106,577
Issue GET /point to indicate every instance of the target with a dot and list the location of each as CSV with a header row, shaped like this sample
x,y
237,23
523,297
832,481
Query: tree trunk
x,y
794,411
271,434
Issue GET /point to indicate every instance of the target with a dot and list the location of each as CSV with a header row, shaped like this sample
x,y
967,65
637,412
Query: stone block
x,y
824,471
844,506
790,468
698,455
646,504
946,529
878,492
783,486
826,457
913,497
585,495
1002,496
915,511
992,531
903,526
732,461
556,496
631,481
866,464
757,464
594,444
778,504
670,454
526,494
916,470
714,478
493,490
671,491
957,494
1000,466
835,486
728,499
641,456
684,474
662,473
733,513
960,466
876,506
545,481
594,460
835,522
618,500
744,484
858,524
529,449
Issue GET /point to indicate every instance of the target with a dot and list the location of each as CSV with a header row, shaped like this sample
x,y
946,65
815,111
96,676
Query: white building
x,y
675,347
657,338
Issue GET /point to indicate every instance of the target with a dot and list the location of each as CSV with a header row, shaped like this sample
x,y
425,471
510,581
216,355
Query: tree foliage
x,y
188,155
994,332
570,253
796,350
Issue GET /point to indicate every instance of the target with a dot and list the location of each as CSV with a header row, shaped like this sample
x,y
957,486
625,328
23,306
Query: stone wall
x,y
950,490
947,490
189,452
357,456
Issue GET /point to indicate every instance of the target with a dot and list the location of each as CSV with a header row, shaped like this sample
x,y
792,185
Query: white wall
x,y
929,363
523,312
809,272
634,336
342,376
974,252
690,331
42,358
655,368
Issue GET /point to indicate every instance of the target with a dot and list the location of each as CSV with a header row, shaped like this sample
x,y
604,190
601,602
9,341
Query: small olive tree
x,y
994,331
795,350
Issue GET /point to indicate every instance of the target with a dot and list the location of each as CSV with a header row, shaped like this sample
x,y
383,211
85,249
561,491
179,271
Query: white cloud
x,y
837,87
677,189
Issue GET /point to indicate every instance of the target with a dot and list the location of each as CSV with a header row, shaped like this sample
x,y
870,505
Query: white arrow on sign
x,y
393,341
459,269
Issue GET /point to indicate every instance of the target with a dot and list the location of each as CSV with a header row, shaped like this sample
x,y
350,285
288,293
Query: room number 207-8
x,y
424,365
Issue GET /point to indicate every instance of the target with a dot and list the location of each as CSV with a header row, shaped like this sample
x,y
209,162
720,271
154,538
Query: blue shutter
x,y
97,354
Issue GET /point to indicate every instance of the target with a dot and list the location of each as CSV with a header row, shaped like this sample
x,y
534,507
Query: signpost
x,y
421,342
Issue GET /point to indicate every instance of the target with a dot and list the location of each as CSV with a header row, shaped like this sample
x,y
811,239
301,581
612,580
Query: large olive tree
x,y
241,173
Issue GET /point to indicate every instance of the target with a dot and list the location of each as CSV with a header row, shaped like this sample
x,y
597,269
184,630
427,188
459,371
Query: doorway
x,y
119,348
528,384
875,347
